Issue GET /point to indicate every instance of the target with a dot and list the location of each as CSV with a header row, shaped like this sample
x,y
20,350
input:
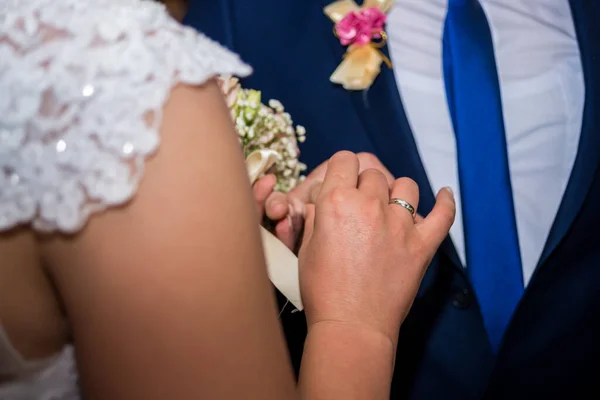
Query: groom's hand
x,y
289,209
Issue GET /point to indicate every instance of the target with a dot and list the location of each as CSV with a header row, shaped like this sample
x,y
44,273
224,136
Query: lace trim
x,y
83,85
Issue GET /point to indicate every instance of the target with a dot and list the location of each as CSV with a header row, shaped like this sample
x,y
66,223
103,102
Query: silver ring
x,y
404,204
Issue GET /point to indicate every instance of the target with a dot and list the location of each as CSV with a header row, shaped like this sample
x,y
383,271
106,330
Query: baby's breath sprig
x,y
261,126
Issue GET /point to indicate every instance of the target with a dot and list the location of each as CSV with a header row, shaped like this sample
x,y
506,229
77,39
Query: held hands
x,y
288,210
362,259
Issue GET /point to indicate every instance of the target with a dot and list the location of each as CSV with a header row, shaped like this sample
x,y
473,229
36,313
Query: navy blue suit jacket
x,y
552,346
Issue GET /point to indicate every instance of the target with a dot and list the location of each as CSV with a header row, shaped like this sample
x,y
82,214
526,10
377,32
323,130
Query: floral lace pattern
x,y
82,85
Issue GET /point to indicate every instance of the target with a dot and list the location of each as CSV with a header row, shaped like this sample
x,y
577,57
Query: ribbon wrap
x,y
282,264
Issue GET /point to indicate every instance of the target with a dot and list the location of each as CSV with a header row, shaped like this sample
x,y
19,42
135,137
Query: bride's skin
x,y
168,297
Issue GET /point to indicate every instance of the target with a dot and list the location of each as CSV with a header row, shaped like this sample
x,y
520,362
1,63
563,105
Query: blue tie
x,y
473,93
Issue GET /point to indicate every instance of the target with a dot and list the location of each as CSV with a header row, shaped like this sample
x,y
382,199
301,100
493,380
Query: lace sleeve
x,y
82,86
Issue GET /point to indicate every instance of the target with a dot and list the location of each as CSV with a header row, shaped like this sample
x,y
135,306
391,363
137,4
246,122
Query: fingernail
x,y
290,223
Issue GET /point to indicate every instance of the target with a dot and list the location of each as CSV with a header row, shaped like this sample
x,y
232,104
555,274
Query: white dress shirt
x,y
542,90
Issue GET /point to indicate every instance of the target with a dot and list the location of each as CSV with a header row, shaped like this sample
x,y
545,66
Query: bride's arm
x,y
168,296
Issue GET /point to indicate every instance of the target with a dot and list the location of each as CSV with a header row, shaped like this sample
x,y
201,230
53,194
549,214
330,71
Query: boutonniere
x,y
361,28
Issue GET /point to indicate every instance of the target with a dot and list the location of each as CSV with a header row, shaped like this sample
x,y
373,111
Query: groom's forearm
x,y
347,363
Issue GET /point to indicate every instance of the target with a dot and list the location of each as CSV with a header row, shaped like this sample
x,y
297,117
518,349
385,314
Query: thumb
x,y
435,227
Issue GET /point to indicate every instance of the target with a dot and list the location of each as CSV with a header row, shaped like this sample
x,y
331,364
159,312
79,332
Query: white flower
x,y
266,127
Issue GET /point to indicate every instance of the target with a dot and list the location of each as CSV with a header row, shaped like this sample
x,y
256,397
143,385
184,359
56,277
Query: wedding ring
x,y
404,204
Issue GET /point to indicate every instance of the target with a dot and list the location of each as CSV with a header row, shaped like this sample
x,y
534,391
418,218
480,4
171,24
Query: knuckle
x,y
344,155
338,197
340,176
374,173
372,209
374,177
368,159
408,182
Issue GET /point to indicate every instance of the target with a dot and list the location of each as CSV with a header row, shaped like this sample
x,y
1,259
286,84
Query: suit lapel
x,y
383,116
586,17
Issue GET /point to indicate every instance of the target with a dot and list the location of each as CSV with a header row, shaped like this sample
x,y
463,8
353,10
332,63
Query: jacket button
x,y
461,298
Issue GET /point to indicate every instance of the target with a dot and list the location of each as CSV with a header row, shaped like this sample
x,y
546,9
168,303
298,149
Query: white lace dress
x,y
78,79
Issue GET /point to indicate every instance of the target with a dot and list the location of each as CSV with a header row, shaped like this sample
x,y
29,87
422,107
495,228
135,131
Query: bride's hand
x,y
262,190
362,259
288,209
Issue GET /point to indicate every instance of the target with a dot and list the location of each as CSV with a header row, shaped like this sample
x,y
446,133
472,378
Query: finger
x,y
374,184
285,232
305,190
276,206
262,189
370,161
342,172
435,227
405,189
309,223
308,190
313,193
289,228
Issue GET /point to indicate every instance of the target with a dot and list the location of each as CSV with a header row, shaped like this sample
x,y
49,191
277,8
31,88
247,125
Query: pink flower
x,y
360,27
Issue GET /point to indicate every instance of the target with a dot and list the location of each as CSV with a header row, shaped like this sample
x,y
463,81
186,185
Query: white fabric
x,y
542,90
78,79
58,381
282,263
82,86
13,365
